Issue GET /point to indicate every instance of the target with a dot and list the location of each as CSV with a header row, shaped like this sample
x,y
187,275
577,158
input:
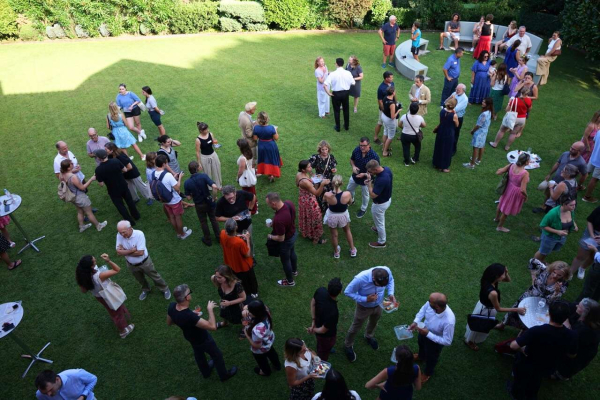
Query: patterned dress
x,y
480,135
309,214
538,289
323,167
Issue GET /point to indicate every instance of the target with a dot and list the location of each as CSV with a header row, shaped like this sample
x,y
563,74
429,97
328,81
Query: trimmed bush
x,y
247,12
229,25
29,33
349,13
378,13
501,12
257,27
580,27
317,17
286,14
194,17
8,21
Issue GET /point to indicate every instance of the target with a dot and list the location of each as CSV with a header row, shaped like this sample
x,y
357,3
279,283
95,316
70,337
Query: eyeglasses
x,y
190,292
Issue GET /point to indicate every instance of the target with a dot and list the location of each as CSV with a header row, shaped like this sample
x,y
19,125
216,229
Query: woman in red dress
x,y
310,218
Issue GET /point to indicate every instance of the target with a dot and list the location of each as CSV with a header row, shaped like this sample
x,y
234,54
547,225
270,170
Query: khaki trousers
x,y
360,316
147,268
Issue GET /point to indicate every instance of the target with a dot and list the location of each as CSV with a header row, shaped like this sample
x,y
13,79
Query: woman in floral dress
x,y
310,218
323,163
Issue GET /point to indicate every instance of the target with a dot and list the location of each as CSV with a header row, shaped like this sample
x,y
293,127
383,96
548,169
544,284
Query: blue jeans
x,y
288,257
449,88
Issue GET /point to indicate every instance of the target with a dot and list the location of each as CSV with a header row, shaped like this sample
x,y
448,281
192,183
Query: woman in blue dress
x,y
444,139
266,135
123,138
511,57
480,132
480,79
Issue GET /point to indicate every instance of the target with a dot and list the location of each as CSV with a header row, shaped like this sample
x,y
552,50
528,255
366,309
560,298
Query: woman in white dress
x,y
554,50
321,73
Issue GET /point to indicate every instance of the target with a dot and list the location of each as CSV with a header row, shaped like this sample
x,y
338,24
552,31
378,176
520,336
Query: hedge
x,y
194,17
229,25
286,14
540,23
580,27
247,12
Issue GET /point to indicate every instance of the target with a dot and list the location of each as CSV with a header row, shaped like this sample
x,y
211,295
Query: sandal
x,y
471,345
15,264
321,241
492,145
506,148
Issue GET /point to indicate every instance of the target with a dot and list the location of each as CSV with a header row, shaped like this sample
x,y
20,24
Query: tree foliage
x,y
349,13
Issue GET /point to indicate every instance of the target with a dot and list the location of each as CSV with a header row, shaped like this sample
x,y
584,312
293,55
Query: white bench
x,y
466,33
536,43
406,64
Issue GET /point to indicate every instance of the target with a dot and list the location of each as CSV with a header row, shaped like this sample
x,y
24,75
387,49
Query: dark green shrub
x,y
257,27
540,23
349,13
580,27
501,11
434,13
229,25
8,21
194,17
405,16
286,14
247,12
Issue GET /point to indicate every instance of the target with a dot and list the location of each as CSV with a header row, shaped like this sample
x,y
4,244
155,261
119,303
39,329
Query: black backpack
x,y
159,190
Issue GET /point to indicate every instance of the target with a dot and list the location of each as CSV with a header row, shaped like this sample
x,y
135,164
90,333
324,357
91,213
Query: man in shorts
x,y
174,208
453,32
389,33
388,80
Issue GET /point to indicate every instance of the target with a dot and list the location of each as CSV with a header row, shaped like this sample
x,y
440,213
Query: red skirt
x,y
485,43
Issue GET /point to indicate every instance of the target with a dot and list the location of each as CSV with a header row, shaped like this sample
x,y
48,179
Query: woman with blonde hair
x,y
82,201
589,136
325,164
298,363
357,73
266,134
337,215
246,172
321,73
511,31
123,138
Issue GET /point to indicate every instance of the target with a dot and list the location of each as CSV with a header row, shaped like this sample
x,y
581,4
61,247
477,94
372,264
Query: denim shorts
x,y
548,244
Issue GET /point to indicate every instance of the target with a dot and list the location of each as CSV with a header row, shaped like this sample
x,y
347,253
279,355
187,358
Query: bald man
x,y
65,154
131,244
436,332
96,142
246,124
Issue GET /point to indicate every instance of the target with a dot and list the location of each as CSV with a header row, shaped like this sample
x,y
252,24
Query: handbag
x,y
505,89
112,293
273,248
510,118
248,178
481,323
419,132
556,52
64,193
142,106
501,188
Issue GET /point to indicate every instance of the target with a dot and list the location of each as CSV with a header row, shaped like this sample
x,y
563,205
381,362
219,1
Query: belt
x,y
266,140
138,264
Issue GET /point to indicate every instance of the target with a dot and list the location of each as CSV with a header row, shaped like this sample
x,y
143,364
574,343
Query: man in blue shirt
x,y
71,384
381,192
367,290
389,33
451,73
388,80
462,101
361,155
197,187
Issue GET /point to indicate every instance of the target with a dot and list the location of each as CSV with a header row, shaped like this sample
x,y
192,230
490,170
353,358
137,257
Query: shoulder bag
x,y
510,118
501,188
112,293
64,193
555,53
248,177
419,132
481,323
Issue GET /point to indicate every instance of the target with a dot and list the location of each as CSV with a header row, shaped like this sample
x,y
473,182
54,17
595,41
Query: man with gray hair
x,y
525,45
131,243
65,154
96,142
237,205
246,124
195,331
389,33
462,101
238,255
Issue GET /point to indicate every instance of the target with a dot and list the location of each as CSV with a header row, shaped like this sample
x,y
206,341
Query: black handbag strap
x,y
407,120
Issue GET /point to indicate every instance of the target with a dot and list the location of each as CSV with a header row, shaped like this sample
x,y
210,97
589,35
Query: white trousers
x,y
323,102
365,193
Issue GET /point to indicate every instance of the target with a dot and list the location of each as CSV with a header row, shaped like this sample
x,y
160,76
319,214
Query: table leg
x,y
29,242
34,357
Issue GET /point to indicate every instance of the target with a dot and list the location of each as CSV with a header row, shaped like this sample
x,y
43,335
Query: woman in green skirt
x,y
499,79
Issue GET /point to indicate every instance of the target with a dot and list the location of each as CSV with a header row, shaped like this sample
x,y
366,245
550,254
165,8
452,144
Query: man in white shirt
x,y
174,208
131,244
65,154
525,45
437,332
337,85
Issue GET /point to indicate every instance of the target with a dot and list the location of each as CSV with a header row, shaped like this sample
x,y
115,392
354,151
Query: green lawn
x,y
440,230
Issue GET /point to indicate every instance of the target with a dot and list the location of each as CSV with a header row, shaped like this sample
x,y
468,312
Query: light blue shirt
x,y
595,157
462,102
124,101
362,286
75,383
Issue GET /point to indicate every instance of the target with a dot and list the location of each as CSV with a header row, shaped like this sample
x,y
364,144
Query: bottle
x,y
529,150
9,197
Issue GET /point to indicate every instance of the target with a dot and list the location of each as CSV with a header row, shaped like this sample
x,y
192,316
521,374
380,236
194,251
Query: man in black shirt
x,y
197,187
195,331
324,311
110,172
237,205
541,349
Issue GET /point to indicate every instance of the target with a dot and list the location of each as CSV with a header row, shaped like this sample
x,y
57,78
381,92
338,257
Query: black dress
x,y
323,167
233,313
4,244
444,141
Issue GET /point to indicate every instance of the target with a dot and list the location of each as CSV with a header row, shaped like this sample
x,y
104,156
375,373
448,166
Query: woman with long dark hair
x,y
91,278
310,218
129,103
247,169
489,301
335,388
397,382
480,79
132,176
259,333
499,79
298,363
153,110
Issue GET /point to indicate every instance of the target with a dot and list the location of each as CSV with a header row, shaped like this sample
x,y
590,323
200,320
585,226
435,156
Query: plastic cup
x,y
269,222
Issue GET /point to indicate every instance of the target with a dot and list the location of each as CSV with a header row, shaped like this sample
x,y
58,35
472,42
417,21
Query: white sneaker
x,y
581,273
143,133
131,157
101,226
471,49
337,252
84,227
140,138
186,234
143,158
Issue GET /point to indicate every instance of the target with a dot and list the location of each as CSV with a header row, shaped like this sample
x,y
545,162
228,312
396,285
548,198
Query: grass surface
x,y
440,230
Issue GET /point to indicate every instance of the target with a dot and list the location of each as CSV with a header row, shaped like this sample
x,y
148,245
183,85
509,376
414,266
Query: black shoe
x,y
253,262
94,210
336,128
538,210
332,351
350,354
346,128
211,366
86,219
230,374
207,242
372,342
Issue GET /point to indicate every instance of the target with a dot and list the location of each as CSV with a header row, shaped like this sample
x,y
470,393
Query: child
x,y
480,132
415,36
492,70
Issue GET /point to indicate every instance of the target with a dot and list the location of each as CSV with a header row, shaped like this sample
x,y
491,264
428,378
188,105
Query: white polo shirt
x,y
525,42
59,158
137,240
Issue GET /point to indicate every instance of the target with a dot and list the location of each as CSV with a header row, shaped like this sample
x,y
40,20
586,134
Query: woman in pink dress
x,y
310,218
4,221
515,193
